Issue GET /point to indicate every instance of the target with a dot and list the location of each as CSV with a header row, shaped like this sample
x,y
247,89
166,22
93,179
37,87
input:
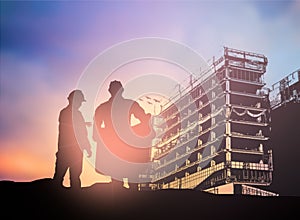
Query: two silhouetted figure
x,y
113,132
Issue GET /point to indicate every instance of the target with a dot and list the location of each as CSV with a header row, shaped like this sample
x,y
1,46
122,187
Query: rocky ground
x,y
40,199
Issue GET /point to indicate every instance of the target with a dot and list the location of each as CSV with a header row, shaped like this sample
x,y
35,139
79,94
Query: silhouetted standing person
x,y
72,140
113,130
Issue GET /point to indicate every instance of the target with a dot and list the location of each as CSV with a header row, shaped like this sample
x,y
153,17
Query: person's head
x,y
115,87
76,98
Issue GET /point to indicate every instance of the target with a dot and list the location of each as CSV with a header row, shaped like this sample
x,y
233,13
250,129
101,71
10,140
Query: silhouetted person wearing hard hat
x,y
72,140
114,133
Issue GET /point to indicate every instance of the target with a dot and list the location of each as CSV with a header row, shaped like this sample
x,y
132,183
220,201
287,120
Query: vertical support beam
x,y
228,130
226,72
228,155
228,143
228,124
228,172
227,87
227,99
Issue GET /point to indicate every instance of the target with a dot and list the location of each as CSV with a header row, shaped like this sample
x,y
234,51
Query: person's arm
x,y
97,124
146,127
82,136
140,113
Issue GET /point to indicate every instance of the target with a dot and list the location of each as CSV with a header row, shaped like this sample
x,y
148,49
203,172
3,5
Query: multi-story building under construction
x,y
214,135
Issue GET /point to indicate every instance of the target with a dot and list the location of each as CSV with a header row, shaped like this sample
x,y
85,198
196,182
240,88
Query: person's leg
x,y
61,167
116,184
133,186
75,172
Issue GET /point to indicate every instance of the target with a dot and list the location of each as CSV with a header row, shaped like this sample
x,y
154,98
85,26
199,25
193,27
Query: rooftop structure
x,y
286,90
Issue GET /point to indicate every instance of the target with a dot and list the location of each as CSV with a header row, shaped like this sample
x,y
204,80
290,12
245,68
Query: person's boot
x,y
117,185
75,185
133,187
57,183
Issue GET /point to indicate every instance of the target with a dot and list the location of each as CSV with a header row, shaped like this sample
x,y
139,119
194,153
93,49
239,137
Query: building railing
x,y
247,136
192,180
165,151
249,190
280,92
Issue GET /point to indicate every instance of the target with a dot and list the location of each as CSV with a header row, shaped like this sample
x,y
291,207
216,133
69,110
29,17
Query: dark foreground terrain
x,y
40,199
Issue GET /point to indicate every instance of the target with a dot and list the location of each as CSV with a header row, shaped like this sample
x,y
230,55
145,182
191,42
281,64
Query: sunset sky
x,y
47,45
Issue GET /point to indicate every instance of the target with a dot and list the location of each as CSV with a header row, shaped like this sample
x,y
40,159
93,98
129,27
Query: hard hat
x,y
77,94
